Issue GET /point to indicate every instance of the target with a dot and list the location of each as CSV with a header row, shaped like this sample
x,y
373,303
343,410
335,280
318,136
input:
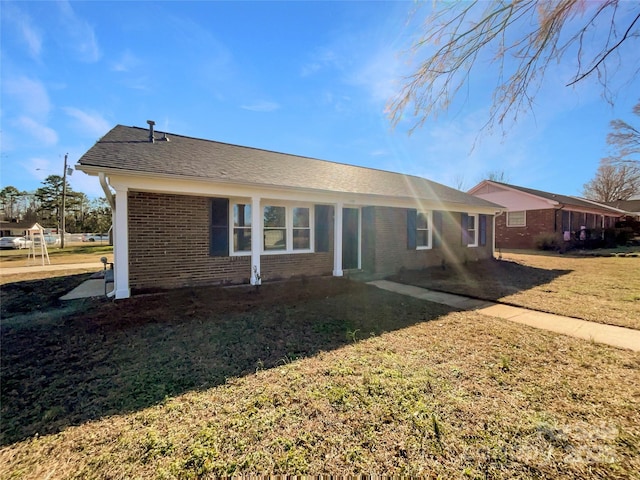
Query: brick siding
x,y
385,244
537,222
169,247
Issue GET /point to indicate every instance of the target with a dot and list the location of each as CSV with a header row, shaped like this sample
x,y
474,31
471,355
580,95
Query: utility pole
x,y
64,198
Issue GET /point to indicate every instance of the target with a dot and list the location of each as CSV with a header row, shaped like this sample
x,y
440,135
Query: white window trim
x,y
474,240
429,245
232,227
524,214
289,206
278,228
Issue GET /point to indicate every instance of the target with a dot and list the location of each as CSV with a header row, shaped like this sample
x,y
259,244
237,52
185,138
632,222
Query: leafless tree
x,y
618,176
459,181
613,182
496,176
625,139
520,39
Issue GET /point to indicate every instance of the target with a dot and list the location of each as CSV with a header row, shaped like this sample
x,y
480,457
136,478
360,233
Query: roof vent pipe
x,y
151,123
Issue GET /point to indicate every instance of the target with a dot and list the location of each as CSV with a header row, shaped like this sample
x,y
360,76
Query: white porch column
x,y
256,240
337,241
121,246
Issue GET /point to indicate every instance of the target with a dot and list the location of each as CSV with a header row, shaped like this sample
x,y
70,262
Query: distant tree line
x,y
45,206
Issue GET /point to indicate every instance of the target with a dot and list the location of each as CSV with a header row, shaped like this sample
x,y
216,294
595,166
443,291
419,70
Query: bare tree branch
x,y
520,39
605,54
625,138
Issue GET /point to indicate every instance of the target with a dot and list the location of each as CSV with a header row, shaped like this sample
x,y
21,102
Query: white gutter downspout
x,y
112,204
107,192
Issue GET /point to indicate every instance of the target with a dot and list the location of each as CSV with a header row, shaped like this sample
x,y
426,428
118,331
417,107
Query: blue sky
x,y
308,78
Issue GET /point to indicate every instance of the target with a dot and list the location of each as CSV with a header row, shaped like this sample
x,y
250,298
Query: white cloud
x,y
30,96
43,134
29,34
89,122
80,34
126,62
379,153
40,168
379,75
321,59
261,106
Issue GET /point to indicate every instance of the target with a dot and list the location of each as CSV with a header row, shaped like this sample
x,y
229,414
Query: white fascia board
x,y
507,188
204,187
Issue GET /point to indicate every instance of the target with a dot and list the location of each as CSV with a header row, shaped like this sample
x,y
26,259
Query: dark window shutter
x,y
437,228
219,239
412,218
322,220
483,229
566,221
463,228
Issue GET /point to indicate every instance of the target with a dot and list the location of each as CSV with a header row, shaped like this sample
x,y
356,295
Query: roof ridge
x,y
287,154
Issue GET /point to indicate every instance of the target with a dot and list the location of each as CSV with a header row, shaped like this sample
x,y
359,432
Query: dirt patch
x,y
36,294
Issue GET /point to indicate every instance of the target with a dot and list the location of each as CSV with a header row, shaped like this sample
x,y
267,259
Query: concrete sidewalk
x,y
52,268
597,332
94,287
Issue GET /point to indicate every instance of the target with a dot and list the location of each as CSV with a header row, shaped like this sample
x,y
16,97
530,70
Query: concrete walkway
x,y
94,287
53,268
597,332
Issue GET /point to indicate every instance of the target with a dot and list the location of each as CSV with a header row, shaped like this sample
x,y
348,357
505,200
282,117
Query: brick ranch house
x,y
189,211
531,213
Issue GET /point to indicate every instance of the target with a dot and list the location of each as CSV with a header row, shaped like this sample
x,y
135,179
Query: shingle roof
x,y
128,149
563,199
626,205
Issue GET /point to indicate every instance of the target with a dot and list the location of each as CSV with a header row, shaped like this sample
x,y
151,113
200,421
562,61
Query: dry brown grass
x,y
599,289
309,377
604,290
76,253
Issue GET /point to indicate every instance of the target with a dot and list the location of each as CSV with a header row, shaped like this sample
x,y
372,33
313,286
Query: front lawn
x,y
308,376
599,289
74,253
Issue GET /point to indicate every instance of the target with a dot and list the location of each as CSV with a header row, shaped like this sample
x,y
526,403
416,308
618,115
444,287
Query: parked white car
x,y
52,239
14,242
95,237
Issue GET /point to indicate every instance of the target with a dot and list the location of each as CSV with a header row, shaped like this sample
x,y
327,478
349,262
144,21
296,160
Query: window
x,y
301,229
241,227
423,230
471,229
516,219
275,228
419,232
287,228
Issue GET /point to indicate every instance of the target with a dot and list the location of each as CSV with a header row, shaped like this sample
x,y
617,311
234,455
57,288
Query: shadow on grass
x,y
111,358
486,280
36,295
98,358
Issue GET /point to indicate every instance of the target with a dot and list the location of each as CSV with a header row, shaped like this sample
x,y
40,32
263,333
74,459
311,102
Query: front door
x,y
350,238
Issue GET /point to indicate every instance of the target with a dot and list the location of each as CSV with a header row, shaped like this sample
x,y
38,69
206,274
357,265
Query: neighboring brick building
x,y
531,214
194,212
